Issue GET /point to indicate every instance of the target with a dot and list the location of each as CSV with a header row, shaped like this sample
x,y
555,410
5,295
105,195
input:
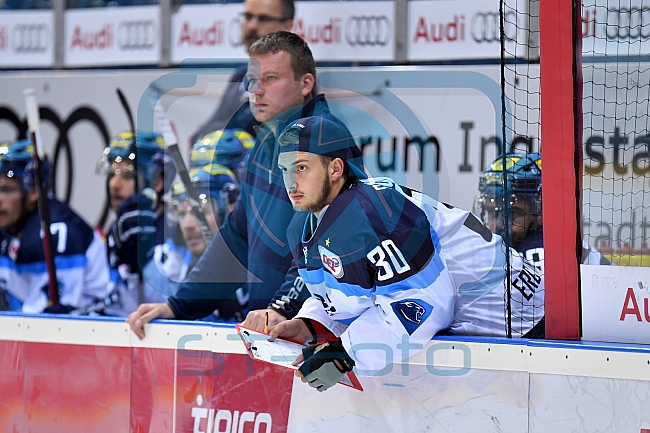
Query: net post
x,y
561,131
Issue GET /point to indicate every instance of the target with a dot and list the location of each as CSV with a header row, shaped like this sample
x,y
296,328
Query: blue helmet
x,y
139,154
163,165
16,161
518,176
521,176
227,148
212,182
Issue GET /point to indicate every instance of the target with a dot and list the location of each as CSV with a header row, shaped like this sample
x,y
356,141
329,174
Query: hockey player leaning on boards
x,y
387,267
521,176
79,252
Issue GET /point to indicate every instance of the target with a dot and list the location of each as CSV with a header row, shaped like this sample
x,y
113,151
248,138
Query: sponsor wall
x,y
359,31
73,375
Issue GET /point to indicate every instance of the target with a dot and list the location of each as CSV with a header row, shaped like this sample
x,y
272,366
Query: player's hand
x,y
145,314
324,364
294,330
255,319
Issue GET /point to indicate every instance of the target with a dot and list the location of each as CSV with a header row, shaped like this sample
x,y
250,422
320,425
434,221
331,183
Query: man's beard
x,y
318,204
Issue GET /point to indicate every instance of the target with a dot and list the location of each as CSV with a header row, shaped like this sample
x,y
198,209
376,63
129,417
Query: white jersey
x,y
387,266
80,261
167,268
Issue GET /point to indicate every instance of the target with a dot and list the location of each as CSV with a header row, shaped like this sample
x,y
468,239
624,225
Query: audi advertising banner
x,y
615,28
26,39
355,31
112,36
207,32
465,29
615,303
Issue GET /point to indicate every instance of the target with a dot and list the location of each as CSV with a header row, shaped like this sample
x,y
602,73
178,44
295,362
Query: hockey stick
x,y
174,151
129,115
33,121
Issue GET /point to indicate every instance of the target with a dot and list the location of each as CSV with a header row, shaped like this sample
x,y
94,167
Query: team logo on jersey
x,y
412,313
14,247
331,261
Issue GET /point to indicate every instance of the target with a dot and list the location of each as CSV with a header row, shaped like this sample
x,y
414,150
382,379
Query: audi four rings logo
x,y
136,35
628,23
29,38
485,26
368,30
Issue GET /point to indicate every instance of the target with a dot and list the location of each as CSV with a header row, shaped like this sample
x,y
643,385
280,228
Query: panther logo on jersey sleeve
x,y
331,261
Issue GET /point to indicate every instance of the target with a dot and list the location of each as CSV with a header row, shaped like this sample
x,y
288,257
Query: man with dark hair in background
x,y
260,17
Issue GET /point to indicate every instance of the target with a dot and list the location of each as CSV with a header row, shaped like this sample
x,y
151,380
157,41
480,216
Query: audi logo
x,y
628,23
29,38
235,32
368,30
63,148
485,27
136,35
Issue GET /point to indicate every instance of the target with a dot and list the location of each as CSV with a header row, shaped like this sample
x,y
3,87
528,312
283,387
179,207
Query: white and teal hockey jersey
x,y
389,267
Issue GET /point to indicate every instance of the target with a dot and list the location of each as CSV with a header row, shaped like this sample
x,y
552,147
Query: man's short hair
x,y
288,9
302,60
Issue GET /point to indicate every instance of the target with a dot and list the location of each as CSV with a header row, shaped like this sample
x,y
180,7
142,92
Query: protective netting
x,y
616,91
511,185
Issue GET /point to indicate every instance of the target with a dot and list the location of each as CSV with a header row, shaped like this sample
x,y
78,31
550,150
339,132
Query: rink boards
x,y
85,374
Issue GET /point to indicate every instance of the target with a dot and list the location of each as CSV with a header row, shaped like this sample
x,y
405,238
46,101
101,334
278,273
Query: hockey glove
x,y
131,236
319,368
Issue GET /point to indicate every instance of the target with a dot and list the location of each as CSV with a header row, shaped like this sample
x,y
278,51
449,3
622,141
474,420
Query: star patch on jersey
x,y
331,261
412,313
327,242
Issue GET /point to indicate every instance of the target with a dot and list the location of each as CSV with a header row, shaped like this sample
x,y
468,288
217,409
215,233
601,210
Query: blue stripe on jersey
x,y
477,289
61,262
347,322
318,276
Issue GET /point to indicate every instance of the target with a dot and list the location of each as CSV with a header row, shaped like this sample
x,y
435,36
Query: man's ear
x,y
336,169
307,83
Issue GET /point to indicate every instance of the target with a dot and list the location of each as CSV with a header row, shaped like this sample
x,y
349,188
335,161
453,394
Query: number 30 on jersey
x,y
388,260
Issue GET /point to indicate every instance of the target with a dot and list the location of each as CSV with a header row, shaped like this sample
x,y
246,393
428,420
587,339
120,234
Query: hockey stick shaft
x,y
181,169
192,195
33,122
